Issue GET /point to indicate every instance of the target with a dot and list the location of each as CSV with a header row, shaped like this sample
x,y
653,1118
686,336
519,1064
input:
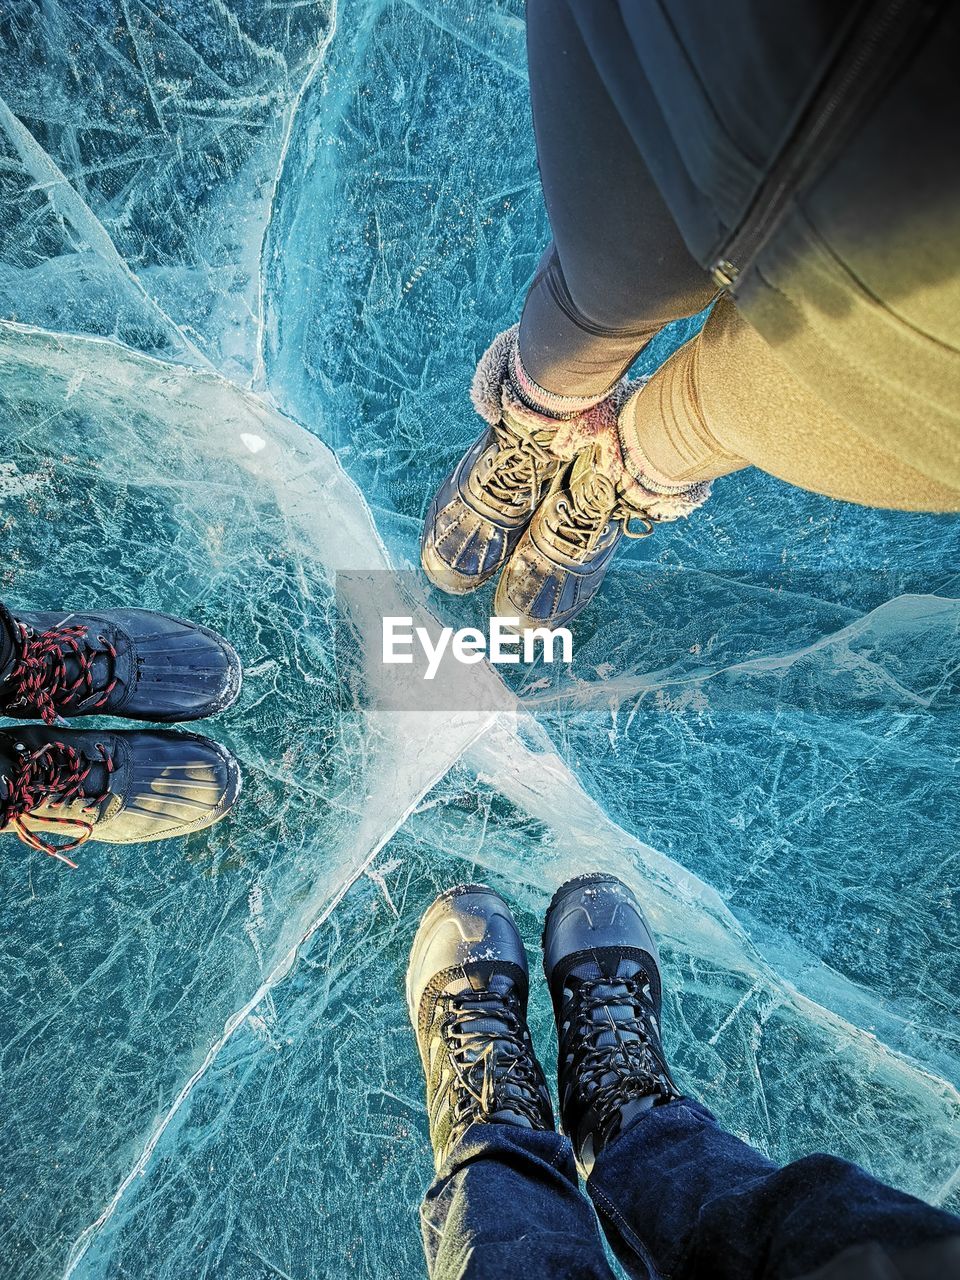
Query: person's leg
x,y
506,1203
725,401
677,1196
677,1189
615,274
618,269
505,1200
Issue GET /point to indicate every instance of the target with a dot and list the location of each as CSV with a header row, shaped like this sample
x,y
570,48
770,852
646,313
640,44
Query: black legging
x,y
617,270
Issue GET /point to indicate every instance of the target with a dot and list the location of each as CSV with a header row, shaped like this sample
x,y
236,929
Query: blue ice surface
x,y
248,257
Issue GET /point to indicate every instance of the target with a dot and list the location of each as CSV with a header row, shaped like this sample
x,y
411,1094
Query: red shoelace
x,y
40,678
53,770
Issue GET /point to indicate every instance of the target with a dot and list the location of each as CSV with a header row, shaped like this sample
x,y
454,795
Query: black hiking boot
x,y
122,788
603,971
467,997
125,662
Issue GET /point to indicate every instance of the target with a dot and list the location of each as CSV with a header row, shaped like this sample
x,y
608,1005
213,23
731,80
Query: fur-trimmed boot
x,y
483,506
545,491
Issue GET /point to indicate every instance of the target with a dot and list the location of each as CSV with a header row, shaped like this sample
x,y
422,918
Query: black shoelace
x,y
494,1068
614,1059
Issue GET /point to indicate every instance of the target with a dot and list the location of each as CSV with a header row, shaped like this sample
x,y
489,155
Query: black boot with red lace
x,y
126,662
60,787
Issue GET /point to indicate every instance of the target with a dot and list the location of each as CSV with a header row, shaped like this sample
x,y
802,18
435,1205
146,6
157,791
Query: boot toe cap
x,y
453,578
460,549
592,912
466,925
176,784
184,671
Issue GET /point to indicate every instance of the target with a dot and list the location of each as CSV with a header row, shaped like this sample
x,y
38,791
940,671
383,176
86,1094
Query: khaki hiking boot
x,y
484,505
562,557
592,504
467,984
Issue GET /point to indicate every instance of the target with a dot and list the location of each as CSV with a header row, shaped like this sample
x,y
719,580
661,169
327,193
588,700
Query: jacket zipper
x,y
870,51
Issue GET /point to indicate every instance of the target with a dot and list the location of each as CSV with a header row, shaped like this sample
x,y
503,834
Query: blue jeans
x,y
677,1198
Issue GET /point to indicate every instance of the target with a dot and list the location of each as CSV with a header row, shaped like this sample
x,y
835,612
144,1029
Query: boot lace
x,y
519,469
584,512
40,677
53,775
611,1073
494,1070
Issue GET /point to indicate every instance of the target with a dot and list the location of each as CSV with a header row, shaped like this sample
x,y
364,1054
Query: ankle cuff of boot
x,y
501,382
652,500
486,390
542,400
680,498
599,428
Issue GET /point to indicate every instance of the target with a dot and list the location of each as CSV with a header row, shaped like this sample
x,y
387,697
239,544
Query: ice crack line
x,y
632,684
519,72
259,369
69,205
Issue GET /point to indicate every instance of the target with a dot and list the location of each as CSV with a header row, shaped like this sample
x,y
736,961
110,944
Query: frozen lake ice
x,y
249,256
